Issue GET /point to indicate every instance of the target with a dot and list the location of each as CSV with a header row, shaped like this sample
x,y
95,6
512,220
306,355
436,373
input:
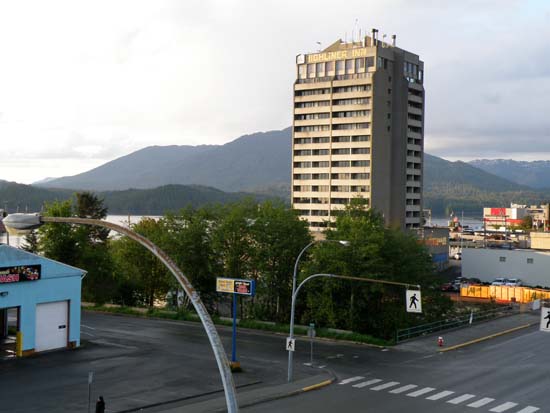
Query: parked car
x,y
449,287
514,282
500,281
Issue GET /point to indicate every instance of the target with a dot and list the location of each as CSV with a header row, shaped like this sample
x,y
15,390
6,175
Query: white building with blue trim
x,y
42,298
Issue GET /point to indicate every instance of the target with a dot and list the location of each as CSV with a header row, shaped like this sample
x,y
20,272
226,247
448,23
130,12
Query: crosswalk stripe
x,y
351,380
503,407
420,392
385,386
403,388
460,399
366,383
441,395
481,402
529,409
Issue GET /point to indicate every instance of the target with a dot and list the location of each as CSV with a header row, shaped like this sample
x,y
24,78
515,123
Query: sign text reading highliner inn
x,y
338,55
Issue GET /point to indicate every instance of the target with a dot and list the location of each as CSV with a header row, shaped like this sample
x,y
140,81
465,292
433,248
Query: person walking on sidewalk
x,y
100,405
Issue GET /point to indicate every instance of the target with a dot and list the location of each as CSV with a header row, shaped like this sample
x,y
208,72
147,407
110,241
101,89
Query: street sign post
x,y
236,287
413,301
545,319
90,381
311,334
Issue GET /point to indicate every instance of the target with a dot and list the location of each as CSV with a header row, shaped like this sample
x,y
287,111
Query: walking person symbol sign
x,y
413,301
545,319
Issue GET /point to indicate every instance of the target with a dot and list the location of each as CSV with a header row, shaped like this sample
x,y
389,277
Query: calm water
x,y
123,220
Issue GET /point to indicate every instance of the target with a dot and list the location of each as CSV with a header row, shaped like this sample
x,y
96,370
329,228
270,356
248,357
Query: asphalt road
x,y
507,374
139,362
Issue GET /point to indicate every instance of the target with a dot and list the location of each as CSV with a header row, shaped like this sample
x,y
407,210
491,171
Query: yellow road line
x,y
318,385
477,340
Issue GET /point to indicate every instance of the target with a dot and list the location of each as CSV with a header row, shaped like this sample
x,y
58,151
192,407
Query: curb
x,y
317,386
218,405
280,396
478,340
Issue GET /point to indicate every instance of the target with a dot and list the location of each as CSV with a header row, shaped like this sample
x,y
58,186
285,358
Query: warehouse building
x,y
39,303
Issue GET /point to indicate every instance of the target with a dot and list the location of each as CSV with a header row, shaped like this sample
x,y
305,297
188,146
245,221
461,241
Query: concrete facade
x,y
358,131
540,240
487,264
58,282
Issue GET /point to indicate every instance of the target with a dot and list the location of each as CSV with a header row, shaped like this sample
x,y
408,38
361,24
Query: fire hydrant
x,y
440,341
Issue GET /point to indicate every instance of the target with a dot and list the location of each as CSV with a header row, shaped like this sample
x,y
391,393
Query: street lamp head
x,y
21,224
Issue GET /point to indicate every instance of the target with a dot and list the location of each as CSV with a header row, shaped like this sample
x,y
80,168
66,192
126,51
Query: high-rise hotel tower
x,y
358,131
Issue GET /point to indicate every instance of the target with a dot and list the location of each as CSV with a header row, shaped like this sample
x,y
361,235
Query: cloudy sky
x,y
85,81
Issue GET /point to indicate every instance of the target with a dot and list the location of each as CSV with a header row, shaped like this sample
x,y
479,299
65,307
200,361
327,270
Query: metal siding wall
x,y
58,282
28,294
485,264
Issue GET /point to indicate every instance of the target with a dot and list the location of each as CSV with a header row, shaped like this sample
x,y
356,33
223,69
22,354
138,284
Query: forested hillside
x,y
22,198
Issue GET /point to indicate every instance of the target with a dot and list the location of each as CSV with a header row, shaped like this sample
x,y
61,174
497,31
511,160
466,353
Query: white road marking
x,y
529,409
403,389
366,383
481,402
441,395
351,379
460,399
85,326
421,392
503,407
385,386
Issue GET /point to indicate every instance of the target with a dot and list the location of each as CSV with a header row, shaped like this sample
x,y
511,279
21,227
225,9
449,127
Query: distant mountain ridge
x,y
261,163
438,171
535,174
249,162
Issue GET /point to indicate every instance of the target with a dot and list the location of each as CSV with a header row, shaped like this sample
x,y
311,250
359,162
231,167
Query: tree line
x,y
251,240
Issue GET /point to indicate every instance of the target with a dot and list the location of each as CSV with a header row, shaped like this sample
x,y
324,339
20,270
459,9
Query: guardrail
x,y
475,317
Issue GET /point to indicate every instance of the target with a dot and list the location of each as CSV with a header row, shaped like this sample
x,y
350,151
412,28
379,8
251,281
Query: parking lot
x,y
136,363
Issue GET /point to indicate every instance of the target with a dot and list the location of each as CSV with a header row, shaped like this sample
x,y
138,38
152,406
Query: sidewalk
x,y
462,337
251,397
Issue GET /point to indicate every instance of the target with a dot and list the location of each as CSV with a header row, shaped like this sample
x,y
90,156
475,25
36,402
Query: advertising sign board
x,y
235,286
19,273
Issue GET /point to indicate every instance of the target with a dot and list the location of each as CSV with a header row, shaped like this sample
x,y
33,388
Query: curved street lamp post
x,y
344,277
25,222
294,275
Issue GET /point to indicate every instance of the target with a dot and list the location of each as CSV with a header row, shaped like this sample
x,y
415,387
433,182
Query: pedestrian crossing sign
x,y
545,319
413,301
290,344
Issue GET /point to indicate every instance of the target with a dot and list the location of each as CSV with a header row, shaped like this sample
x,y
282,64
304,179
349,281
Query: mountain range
x,y
159,178
534,174
247,163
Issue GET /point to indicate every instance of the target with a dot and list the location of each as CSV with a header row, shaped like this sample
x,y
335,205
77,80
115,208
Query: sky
x,y
83,82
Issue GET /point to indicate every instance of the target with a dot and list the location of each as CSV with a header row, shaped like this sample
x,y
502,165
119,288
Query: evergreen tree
x,y
374,252
82,246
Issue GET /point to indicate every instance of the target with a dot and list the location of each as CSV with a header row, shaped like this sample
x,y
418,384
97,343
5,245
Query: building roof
x,y
11,256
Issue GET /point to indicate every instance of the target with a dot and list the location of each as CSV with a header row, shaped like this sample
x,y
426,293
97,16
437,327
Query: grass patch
x,y
251,324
